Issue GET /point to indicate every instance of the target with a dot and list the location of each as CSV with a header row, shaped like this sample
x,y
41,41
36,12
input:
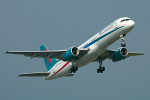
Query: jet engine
x,y
70,54
120,54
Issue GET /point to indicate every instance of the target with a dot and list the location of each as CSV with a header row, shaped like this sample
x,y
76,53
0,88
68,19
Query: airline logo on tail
x,y
50,62
49,59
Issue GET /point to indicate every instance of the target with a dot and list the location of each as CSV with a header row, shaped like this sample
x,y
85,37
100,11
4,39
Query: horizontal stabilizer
x,y
36,74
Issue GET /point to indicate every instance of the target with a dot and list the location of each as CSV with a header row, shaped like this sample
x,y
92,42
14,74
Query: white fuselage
x,y
96,45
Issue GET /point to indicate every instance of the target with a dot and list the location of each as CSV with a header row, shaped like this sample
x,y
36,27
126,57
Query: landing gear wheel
x,y
73,69
76,68
98,71
101,71
70,71
123,45
103,68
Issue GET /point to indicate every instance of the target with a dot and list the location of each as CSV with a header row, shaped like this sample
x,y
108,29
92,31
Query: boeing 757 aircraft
x,y
60,63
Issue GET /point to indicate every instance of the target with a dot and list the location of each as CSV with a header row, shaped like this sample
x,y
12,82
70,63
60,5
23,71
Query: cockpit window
x,y
124,20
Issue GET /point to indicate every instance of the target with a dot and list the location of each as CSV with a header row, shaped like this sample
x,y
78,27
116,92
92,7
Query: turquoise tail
x,y
50,62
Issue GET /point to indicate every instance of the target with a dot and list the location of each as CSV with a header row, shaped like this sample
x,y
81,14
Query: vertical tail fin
x,y
50,62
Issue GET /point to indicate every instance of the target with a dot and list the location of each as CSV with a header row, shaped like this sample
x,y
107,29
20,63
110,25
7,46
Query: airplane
x,y
64,63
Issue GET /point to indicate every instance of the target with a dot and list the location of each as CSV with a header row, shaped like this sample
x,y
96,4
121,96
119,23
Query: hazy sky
x,y
60,24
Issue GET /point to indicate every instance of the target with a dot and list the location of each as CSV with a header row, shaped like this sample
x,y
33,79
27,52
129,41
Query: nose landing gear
x,y
123,39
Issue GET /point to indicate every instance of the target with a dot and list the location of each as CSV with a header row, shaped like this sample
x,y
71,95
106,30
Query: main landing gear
x,y
123,39
73,69
100,69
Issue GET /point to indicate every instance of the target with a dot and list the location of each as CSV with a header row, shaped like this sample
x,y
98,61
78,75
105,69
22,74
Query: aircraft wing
x,y
36,74
135,54
109,53
46,54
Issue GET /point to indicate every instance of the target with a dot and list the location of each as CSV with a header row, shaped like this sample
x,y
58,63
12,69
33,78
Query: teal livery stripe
x,y
102,37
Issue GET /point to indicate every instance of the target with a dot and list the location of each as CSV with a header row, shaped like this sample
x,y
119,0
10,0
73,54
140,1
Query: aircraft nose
x,y
130,25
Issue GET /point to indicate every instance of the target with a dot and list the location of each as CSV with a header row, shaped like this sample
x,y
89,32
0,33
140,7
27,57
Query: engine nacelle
x,y
120,54
70,54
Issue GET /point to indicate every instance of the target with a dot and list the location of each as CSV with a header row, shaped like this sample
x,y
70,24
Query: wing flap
x,y
36,74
